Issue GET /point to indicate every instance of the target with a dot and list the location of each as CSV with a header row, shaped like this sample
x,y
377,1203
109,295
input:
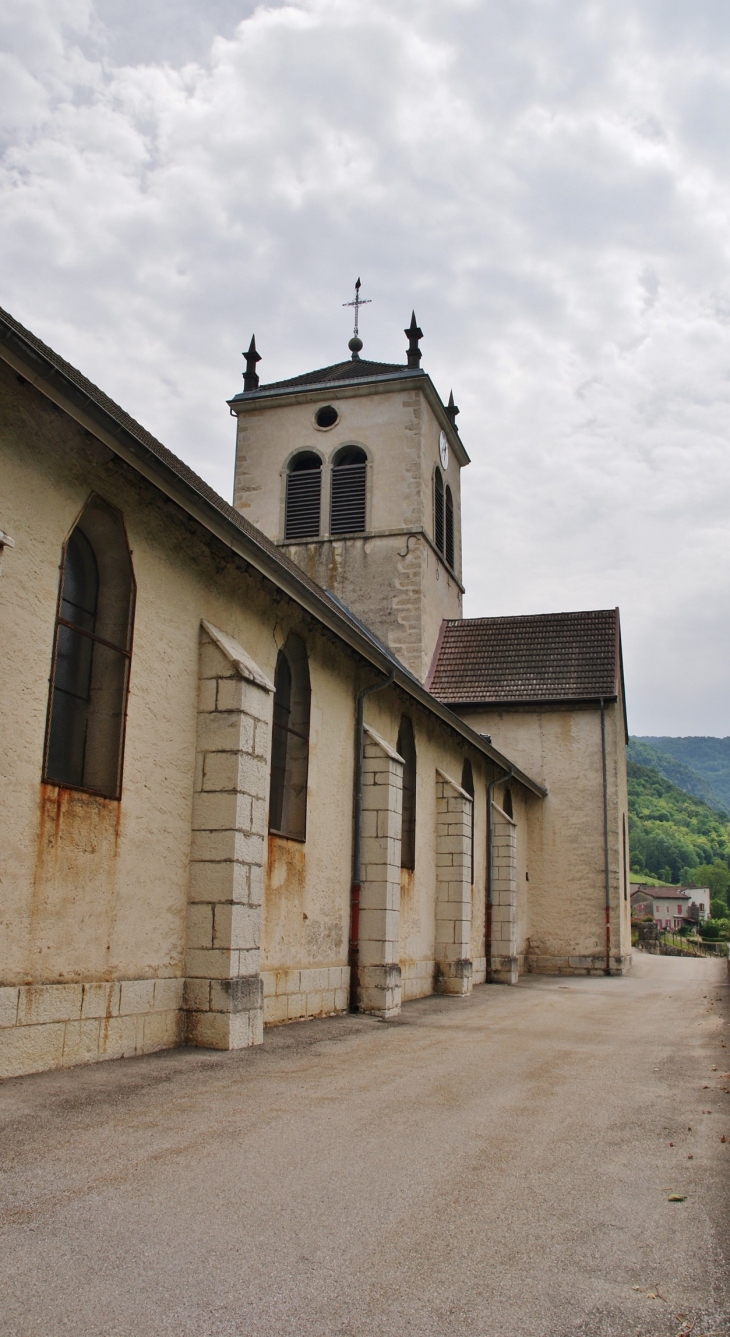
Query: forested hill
x,y
674,836
699,766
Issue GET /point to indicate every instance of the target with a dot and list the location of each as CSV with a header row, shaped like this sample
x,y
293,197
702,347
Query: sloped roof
x,y
56,377
357,370
511,660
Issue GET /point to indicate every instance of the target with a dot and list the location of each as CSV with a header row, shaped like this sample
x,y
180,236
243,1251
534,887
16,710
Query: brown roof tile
x,y
548,657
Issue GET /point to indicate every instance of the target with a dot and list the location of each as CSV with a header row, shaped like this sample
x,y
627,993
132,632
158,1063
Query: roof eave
x,y
534,702
84,409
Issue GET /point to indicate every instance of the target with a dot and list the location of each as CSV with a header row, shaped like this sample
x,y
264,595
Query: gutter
x,y
354,938
191,494
607,967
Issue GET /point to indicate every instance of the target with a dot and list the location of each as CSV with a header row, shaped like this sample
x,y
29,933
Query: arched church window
x,y
91,656
349,491
449,527
507,802
438,510
290,742
303,496
467,784
406,746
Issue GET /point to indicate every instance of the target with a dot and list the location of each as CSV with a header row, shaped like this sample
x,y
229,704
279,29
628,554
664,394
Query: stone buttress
x,y
223,988
379,989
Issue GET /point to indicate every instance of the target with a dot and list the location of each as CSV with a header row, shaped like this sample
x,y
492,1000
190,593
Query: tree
x,y
716,876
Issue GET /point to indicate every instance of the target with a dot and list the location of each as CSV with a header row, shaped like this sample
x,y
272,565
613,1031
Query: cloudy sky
x,y
546,181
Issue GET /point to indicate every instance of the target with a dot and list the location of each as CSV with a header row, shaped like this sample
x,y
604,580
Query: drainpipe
x,y
490,869
605,840
354,949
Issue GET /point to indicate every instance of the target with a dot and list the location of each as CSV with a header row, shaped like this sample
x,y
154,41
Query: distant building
x,y
670,907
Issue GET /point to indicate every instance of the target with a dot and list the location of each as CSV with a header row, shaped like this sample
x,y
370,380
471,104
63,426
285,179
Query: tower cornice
x,y
383,383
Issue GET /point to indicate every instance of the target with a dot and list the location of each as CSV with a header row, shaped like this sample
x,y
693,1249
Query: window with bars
x,y
91,656
290,742
303,496
438,511
449,549
406,746
348,499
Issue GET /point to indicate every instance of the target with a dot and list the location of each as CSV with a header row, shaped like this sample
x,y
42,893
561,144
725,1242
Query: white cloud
x,y
545,180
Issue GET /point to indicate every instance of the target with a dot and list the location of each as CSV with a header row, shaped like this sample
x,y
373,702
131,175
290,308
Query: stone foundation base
x,y
224,1014
46,1026
416,979
453,977
479,970
505,970
292,995
575,965
379,991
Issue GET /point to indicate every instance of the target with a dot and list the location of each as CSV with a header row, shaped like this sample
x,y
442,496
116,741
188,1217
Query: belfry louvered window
x,y
349,482
449,527
438,511
303,496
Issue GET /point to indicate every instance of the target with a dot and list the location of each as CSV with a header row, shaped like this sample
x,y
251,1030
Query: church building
x,y
257,766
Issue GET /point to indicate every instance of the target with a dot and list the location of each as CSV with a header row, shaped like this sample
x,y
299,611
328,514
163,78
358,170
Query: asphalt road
x,y
497,1166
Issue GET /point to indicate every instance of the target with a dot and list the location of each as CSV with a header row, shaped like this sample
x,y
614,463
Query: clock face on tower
x,y
444,450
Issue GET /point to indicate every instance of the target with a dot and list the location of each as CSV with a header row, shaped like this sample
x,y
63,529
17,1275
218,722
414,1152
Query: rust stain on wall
x,y
74,882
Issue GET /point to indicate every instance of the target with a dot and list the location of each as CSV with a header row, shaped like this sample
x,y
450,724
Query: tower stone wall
x,y
392,575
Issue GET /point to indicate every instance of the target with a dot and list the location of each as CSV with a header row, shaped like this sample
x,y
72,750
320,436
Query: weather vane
x,y
355,343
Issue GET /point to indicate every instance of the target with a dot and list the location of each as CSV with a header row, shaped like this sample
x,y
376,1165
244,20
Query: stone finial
x,y
413,334
452,410
250,378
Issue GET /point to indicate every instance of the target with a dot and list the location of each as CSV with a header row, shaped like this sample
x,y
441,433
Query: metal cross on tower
x,y
355,343
358,302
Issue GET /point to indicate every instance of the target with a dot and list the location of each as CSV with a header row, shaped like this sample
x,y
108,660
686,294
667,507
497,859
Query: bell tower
x,y
354,471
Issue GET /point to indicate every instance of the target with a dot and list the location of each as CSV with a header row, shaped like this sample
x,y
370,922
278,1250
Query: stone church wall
x,y
562,929
95,899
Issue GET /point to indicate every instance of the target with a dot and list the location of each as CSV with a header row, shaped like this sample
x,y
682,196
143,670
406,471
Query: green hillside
x,y
675,836
699,765
678,772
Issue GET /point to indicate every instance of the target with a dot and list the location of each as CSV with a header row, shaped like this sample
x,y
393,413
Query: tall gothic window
x,y
438,511
303,496
449,551
467,784
349,491
91,656
290,742
406,746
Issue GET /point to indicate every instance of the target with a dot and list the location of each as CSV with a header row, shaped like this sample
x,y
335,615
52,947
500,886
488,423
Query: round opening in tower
x,y
326,417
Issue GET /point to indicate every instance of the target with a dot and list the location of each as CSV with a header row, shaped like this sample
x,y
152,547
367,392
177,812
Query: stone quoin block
x,y
223,987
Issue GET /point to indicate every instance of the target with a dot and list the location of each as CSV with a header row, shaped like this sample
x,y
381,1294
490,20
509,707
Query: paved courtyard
x,y
498,1166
